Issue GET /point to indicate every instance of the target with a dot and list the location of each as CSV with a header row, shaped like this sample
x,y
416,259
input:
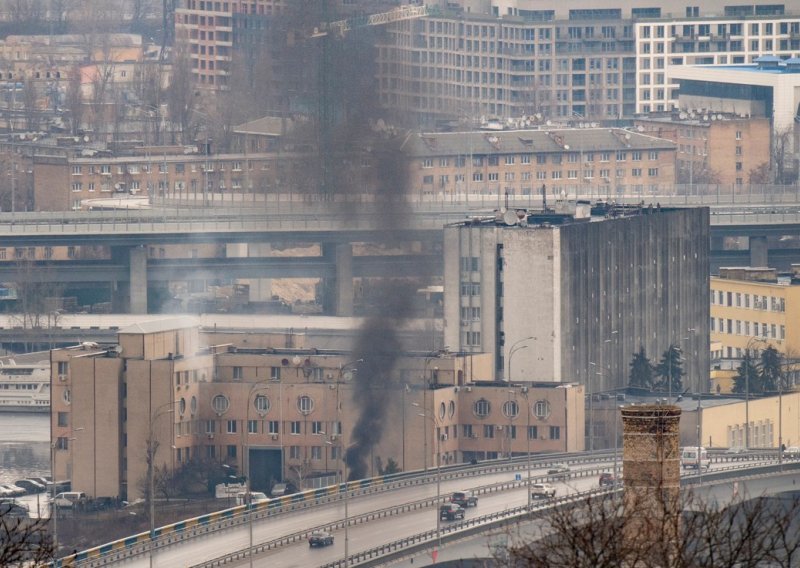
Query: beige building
x,y
521,162
284,414
714,148
755,307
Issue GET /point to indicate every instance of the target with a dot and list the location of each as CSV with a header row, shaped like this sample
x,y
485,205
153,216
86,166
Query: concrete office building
x,y
281,413
571,296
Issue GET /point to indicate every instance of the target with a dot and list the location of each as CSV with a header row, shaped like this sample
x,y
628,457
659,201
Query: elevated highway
x,y
335,228
385,514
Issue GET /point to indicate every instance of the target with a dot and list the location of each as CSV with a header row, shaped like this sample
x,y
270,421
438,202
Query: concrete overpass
x,y
389,518
335,228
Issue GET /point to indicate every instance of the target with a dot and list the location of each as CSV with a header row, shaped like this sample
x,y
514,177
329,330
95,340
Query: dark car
x,y
559,470
451,512
607,479
320,538
30,486
464,499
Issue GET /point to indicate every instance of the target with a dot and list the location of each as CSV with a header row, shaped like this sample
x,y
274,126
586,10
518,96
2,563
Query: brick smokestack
x,y
651,466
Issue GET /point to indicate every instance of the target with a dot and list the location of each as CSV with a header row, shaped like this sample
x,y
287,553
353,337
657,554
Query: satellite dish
x,y
297,361
85,138
348,375
566,146
548,123
510,218
640,128
713,117
682,116
627,136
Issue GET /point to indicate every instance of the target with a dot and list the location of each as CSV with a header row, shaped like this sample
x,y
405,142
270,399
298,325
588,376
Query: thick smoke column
x,y
379,347
337,86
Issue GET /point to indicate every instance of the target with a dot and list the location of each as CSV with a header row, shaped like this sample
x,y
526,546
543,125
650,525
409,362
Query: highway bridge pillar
x,y
759,252
131,296
337,296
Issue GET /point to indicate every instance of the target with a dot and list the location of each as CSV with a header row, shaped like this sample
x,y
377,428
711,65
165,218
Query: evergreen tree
x,y
747,371
641,373
670,370
771,370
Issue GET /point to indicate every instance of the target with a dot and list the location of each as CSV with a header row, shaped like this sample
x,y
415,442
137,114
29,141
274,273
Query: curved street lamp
x,y
513,349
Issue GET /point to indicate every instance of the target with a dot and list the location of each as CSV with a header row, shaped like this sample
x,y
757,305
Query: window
x,y
210,428
261,404
533,432
511,409
488,430
316,427
220,404
252,426
63,419
427,163
274,427
231,451
636,156
237,374
541,409
466,430
482,408
316,452
275,373
294,452
653,154
305,404
555,432
652,172
296,427
231,426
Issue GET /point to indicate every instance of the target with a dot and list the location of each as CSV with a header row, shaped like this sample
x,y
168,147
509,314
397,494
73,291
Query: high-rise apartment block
x,y
571,296
568,60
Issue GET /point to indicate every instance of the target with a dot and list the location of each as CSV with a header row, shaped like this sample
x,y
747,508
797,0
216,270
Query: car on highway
x,y
607,478
559,469
792,452
735,450
464,499
320,538
542,491
451,512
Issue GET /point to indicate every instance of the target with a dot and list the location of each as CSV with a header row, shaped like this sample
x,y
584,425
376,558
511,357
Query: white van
x,y
70,499
255,497
689,458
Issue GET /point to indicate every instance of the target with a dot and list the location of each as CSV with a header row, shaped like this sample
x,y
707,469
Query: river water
x,y
24,445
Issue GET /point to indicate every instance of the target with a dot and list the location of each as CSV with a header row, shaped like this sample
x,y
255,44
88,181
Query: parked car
x,y
6,492
542,491
320,538
12,490
13,510
70,499
30,486
559,469
280,489
255,497
464,499
607,478
451,512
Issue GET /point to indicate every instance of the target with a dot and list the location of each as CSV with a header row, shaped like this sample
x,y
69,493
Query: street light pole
x,y
524,392
53,506
246,465
513,350
747,348
152,449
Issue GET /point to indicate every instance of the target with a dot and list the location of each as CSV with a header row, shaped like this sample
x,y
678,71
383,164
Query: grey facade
x,y
573,302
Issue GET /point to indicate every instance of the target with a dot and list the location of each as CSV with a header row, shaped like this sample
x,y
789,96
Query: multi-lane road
x,y
364,534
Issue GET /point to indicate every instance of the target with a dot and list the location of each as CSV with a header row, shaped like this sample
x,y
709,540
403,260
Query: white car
x,y
12,491
542,491
792,452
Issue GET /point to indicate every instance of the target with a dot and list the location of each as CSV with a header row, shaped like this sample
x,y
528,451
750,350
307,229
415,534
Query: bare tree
x,y
23,541
781,154
180,93
74,100
605,531
30,98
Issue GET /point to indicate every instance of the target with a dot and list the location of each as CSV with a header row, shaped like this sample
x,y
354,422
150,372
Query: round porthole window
x,y
452,409
220,404
541,409
194,405
442,410
482,408
182,406
511,409
305,404
261,404
67,396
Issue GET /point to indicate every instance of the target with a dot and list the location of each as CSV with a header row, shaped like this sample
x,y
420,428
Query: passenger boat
x,y
24,387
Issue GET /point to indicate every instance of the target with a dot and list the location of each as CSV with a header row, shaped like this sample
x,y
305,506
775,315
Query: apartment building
x,y
570,295
740,36
571,61
522,162
755,307
711,147
284,414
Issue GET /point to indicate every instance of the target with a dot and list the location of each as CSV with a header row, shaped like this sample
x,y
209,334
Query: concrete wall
x,y
630,282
